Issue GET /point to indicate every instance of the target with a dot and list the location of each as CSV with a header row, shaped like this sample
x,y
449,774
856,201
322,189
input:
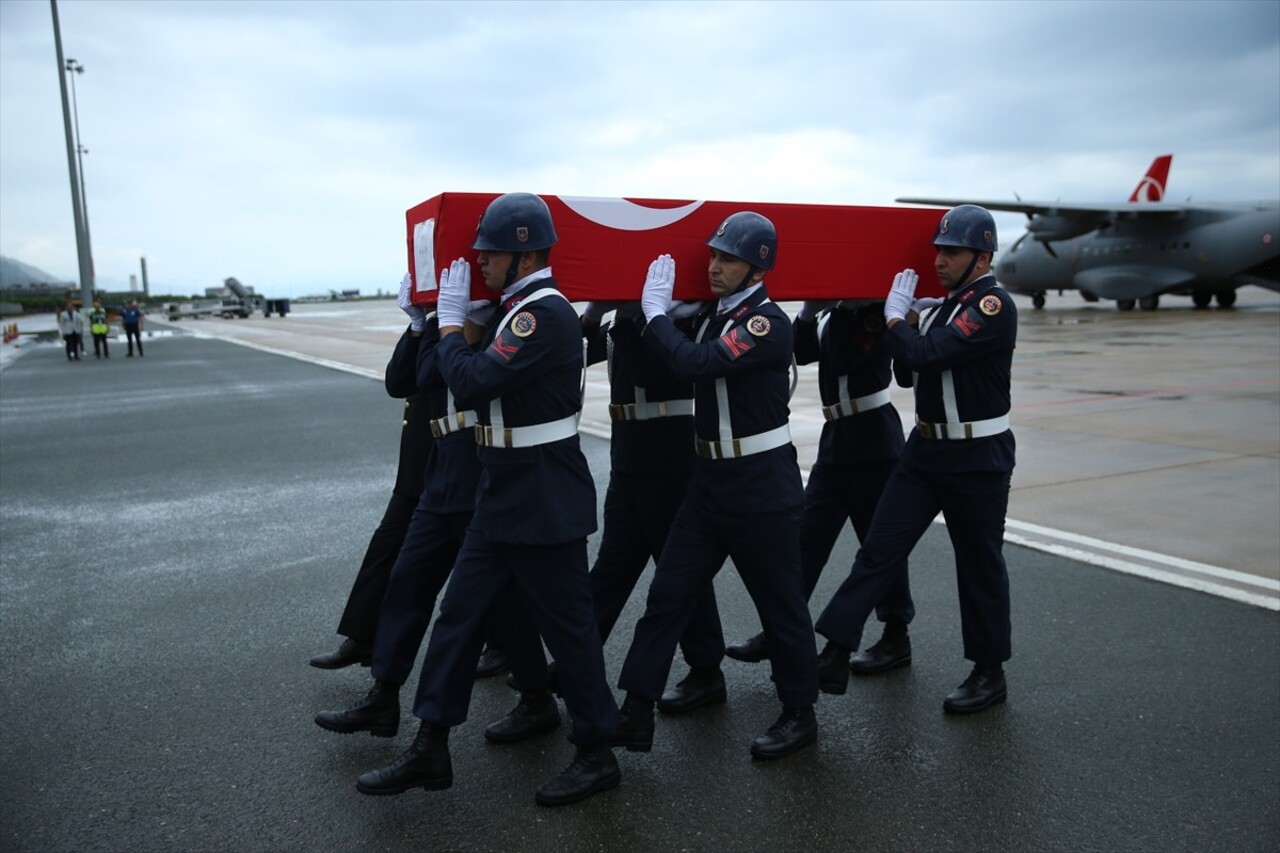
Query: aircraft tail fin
x,y
1151,187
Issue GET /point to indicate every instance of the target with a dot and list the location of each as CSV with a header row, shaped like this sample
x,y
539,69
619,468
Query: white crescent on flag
x,y
626,215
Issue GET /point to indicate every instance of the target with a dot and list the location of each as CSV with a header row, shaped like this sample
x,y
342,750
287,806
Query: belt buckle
x,y
926,429
435,430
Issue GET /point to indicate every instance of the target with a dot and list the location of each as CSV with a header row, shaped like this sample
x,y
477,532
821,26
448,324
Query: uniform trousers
x,y
420,571
131,334
638,513
765,549
360,617
836,493
973,503
552,585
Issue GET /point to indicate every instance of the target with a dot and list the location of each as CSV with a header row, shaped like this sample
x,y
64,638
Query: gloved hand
x,y
595,311
455,294
417,316
901,294
680,310
924,303
812,308
658,284
480,311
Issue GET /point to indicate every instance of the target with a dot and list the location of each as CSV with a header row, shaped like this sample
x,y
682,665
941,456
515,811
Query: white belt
x,y
454,422
737,447
648,411
969,429
845,408
527,436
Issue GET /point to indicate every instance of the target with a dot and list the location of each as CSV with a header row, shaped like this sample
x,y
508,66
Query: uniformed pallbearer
x,y
745,496
535,506
958,459
859,447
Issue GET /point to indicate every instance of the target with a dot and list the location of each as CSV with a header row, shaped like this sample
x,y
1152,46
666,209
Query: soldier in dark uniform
x,y
359,622
535,507
426,557
859,447
651,458
958,460
745,496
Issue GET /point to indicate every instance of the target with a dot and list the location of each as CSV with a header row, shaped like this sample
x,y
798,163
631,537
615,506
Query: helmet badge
x,y
946,223
720,230
764,252
522,234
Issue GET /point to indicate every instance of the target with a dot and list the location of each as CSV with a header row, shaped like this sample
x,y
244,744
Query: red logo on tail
x,y
1151,187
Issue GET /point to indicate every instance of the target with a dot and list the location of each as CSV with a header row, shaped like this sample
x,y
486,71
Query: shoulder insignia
x,y
758,326
523,324
990,305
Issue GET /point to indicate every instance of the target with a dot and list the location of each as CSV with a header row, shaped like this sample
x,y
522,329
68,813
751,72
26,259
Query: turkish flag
x,y
606,245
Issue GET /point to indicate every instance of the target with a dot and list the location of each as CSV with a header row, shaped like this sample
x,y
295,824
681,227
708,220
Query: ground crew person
x,y
745,496
133,320
359,623
958,459
860,444
71,327
651,454
535,507
98,328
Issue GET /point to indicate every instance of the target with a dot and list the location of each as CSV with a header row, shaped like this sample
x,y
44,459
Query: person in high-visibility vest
x,y
98,328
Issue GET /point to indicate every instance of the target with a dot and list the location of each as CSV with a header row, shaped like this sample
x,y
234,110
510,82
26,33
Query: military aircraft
x,y
1134,253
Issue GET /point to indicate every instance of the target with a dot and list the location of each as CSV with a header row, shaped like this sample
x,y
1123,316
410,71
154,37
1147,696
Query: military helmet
x,y
748,236
515,222
967,226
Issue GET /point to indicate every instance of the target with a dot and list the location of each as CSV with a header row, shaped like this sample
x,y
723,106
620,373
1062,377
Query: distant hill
x,y
16,274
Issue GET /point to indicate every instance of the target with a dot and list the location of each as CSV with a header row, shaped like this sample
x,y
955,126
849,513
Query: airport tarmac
x,y
1148,442
179,535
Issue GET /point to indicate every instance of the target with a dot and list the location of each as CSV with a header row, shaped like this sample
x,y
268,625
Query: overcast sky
x,y
281,142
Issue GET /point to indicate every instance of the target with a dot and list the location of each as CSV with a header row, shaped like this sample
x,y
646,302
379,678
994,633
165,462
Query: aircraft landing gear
x,y
1089,296
1149,303
1201,299
1125,304
1226,298
1037,299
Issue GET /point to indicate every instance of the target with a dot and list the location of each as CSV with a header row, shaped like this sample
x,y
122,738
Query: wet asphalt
x,y
177,537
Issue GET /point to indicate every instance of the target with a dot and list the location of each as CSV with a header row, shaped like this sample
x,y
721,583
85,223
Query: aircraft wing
x,y
1068,210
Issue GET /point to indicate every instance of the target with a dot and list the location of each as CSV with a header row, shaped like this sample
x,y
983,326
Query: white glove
x,y
658,284
595,311
417,316
455,294
925,303
480,311
811,309
901,294
680,310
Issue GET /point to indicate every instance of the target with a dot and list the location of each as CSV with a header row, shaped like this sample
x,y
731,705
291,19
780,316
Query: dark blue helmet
x,y
967,226
748,236
515,222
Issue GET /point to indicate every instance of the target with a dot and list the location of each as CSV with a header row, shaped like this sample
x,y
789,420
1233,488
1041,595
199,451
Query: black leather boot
x,y
891,651
492,662
425,764
983,688
593,769
753,650
833,669
535,713
700,687
378,713
794,730
635,728
350,652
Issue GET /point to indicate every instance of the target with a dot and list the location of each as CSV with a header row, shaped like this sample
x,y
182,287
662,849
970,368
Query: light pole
x,y
86,266
76,68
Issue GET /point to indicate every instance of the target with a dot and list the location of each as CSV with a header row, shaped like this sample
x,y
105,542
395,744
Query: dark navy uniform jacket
x,y
532,363
750,348
401,381
453,469
642,446
962,364
852,358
